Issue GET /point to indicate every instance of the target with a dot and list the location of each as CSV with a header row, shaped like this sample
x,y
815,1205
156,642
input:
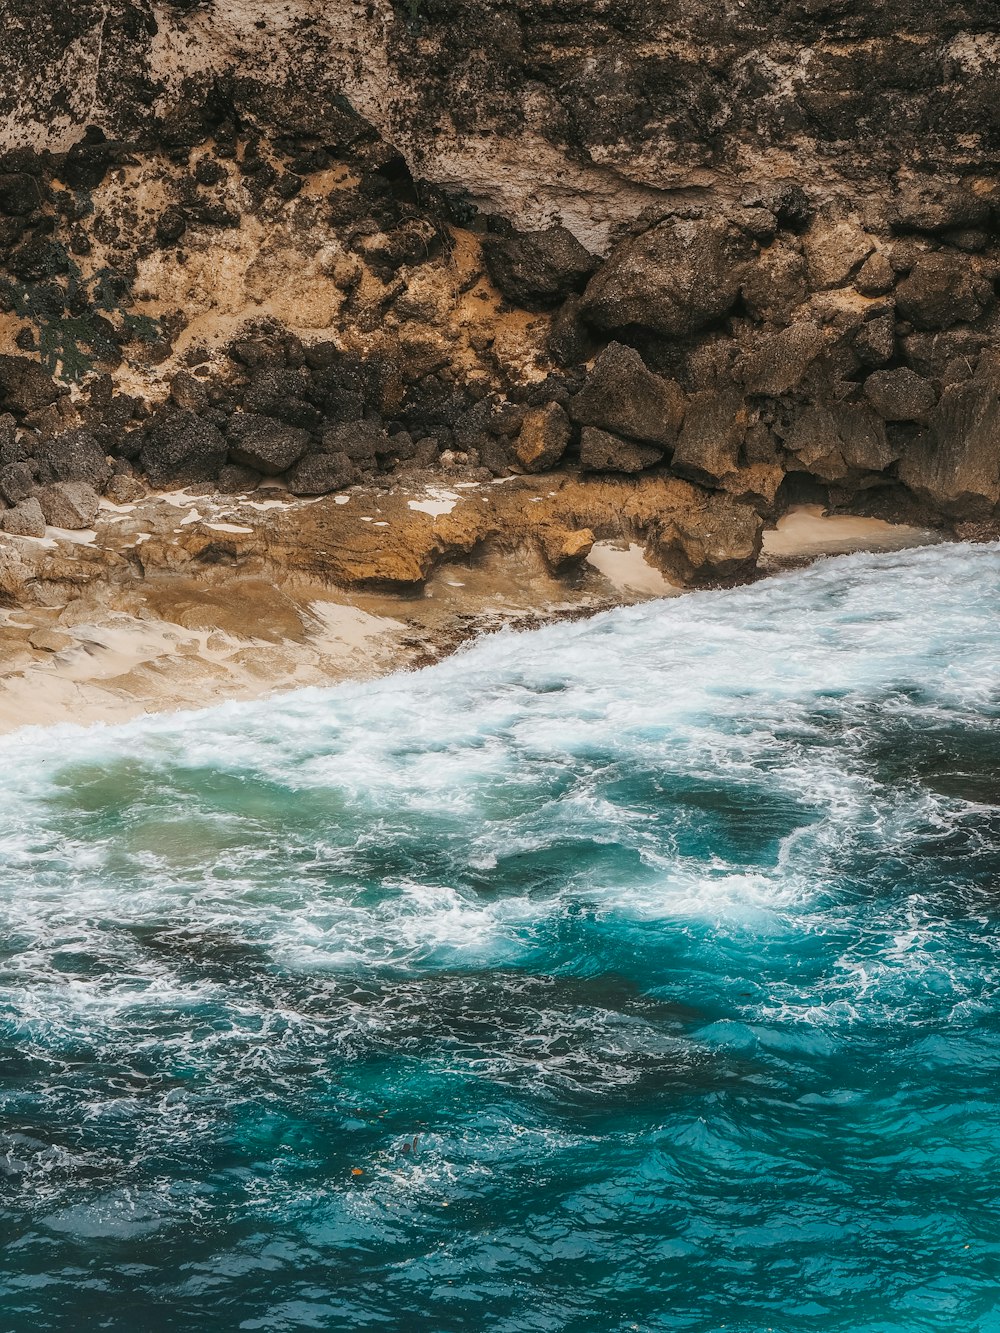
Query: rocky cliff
x,y
307,245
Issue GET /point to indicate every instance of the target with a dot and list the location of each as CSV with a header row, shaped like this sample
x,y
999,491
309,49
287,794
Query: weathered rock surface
x,y
267,446
543,438
900,395
362,241
600,451
24,520
537,270
675,279
68,504
318,474
620,395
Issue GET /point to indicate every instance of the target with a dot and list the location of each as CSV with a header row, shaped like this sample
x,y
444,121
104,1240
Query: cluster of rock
x,y
763,342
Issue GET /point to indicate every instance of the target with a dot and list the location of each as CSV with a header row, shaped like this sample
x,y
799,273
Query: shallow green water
x,y
645,968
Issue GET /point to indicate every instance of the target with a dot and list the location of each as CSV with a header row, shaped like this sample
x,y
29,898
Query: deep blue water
x,y
647,970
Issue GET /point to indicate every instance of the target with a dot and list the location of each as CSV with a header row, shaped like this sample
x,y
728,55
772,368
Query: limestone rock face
x,y
955,463
621,396
477,238
543,439
675,279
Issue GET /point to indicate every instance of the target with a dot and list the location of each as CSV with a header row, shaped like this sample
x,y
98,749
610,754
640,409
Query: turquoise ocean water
x,y
640,973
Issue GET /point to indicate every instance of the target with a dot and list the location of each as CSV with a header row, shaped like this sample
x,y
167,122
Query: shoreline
x,y
173,640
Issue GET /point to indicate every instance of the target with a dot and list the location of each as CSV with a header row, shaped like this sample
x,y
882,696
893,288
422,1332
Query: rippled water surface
x,y
639,973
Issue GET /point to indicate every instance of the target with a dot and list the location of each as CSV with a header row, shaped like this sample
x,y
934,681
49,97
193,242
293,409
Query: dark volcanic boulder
x,y
676,279
600,451
181,448
73,455
832,442
19,194
25,386
274,391
17,481
714,427
940,290
318,474
266,445
536,269
776,362
620,395
544,436
900,395
362,441
925,204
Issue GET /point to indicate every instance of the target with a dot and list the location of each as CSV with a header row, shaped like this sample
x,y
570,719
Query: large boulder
x,y
319,474
68,504
182,448
73,455
600,451
833,442
900,395
544,436
620,395
266,445
564,549
24,520
923,203
537,269
717,538
955,463
775,363
941,290
714,427
675,279
25,386
775,283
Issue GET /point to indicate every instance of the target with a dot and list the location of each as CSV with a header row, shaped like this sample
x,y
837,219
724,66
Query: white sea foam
x,y
455,815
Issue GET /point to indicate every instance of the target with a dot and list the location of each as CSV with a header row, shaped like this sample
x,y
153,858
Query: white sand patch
x,y
341,499
228,527
628,569
78,536
807,531
437,502
193,517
